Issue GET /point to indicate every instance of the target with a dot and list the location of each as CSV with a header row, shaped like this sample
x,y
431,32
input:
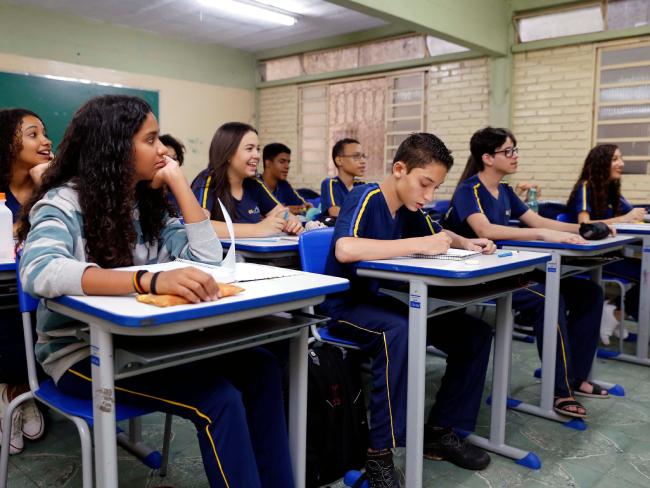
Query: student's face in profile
x,y
616,169
36,147
148,151
353,160
417,187
247,156
506,165
171,152
278,167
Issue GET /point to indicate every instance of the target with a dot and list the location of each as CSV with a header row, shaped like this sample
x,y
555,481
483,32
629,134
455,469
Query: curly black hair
x,y
96,158
10,140
596,171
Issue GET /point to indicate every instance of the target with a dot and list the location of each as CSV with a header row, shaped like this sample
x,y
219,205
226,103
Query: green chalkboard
x,y
56,100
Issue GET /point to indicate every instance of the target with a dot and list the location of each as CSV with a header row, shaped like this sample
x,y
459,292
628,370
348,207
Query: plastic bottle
x,y
6,230
351,478
532,200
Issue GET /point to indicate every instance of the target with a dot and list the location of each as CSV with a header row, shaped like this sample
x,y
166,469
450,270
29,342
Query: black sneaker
x,y
444,444
380,470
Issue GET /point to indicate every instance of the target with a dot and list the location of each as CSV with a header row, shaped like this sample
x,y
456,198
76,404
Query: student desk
x,y
554,272
124,316
266,250
420,273
641,231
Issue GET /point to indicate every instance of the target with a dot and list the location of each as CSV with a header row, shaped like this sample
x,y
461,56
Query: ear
x,y
399,169
487,159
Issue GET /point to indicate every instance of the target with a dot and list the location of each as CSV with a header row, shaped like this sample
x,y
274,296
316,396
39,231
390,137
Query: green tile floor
x,y
613,452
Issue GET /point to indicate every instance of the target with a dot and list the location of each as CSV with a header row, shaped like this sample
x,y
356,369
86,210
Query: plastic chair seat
x,y
79,407
326,336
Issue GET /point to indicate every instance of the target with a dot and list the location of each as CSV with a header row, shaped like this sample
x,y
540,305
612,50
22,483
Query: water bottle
x,y
6,231
351,478
532,200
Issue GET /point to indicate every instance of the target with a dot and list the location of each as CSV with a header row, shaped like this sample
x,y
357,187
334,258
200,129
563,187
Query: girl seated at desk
x,y
231,178
597,197
24,151
101,206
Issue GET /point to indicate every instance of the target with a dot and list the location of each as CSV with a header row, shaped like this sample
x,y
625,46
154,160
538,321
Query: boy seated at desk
x,y
277,158
481,207
382,221
350,162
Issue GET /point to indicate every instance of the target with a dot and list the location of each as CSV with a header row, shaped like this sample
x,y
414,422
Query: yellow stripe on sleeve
x,y
478,200
268,192
363,208
584,196
332,192
204,200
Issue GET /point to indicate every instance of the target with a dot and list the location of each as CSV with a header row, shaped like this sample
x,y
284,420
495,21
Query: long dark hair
x,y
596,171
10,141
484,141
223,147
96,158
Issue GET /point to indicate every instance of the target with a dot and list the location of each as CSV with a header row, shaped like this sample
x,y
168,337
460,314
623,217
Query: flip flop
x,y
561,408
597,391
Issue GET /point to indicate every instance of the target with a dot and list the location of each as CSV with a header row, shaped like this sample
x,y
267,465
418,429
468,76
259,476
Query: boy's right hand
x,y
435,244
562,237
635,215
190,283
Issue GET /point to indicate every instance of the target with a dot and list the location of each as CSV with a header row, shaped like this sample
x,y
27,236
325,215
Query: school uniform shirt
x,y
257,200
54,260
285,194
472,197
333,193
365,214
582,203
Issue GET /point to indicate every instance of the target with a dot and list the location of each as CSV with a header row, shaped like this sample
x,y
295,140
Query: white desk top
x,y
640,229
610,243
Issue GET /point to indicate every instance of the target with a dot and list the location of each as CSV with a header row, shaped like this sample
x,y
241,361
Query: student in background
x,y
596,197
24,151
176,151
277,158
101,206
381,222
482,206
350,162
231,178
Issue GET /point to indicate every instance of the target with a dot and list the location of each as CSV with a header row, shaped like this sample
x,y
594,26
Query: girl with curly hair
x,y
231,178
596,197
24,150
101,206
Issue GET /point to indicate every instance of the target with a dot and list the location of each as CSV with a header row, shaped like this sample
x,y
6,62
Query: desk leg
x,y
500,383
551,311
416,378
101,350
298,406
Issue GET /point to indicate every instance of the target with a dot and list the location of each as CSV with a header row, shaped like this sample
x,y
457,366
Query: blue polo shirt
x,y
471,197
12,204
582,203
365,214
333,193
257,200
286,195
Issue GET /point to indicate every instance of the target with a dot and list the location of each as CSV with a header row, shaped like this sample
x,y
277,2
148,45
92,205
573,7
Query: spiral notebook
x,y
450,255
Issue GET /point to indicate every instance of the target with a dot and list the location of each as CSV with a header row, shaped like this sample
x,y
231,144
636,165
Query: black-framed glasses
x,y
508,152
355,156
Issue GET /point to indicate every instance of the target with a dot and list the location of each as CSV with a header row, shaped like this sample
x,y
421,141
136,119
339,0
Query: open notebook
x,y
450,255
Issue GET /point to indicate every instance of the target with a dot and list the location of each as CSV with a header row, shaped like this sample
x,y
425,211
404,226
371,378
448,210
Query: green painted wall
x,y
46,34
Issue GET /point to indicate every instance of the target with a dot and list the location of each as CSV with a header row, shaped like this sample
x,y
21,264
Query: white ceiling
x,y
188,20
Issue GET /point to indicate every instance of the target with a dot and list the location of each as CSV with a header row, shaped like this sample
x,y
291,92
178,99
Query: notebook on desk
x,y
450,255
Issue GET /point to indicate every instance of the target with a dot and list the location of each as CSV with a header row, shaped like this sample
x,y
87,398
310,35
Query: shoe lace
x,y
381,475
452,440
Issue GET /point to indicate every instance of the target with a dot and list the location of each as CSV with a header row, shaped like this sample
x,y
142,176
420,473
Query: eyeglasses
x,y
355,156
508,152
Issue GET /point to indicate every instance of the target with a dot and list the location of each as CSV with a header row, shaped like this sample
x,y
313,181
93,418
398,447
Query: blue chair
x,y
79,411
314,247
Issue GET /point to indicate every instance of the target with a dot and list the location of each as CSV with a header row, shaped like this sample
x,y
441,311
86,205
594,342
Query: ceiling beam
x,y
481,26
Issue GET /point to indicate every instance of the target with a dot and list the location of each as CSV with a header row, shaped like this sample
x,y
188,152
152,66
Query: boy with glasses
x,y
481,207
350,162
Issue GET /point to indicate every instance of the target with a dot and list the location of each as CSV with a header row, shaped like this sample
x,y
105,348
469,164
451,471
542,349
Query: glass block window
x,y
560,23
622,111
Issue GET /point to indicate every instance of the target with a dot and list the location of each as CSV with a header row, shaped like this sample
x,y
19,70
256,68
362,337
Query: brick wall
x,y
457,105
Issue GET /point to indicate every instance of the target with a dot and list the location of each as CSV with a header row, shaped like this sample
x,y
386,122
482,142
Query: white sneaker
x,y
608,323
33,423
16,443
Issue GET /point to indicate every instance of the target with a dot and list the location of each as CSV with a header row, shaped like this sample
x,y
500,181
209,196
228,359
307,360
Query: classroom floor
x,y
613,452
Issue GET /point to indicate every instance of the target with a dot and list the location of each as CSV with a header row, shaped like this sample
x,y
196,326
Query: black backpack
x,y
337,425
